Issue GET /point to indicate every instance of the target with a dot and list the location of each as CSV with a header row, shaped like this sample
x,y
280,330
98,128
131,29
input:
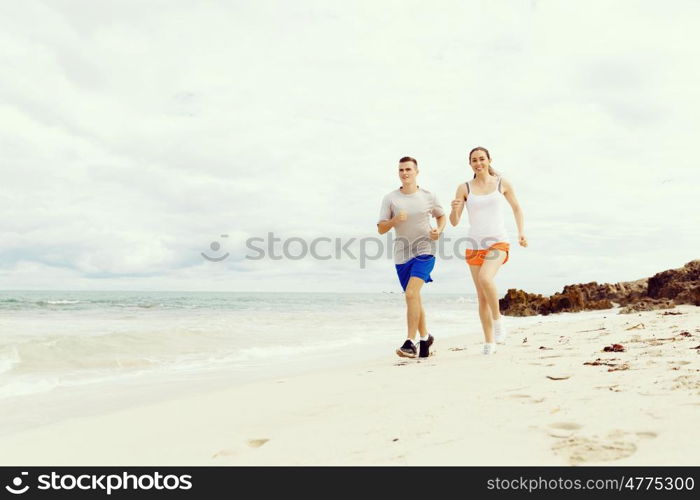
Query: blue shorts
x,y
419,267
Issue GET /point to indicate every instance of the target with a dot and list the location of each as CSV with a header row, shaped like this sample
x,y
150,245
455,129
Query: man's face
x,y
407,172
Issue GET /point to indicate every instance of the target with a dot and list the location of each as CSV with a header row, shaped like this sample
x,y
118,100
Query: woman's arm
x,y
458,204
509,193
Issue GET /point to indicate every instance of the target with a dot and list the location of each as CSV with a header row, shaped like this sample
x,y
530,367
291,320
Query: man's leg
x,y
414,308
422,329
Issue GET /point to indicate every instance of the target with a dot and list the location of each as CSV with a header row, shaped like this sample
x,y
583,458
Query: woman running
x,y
488,246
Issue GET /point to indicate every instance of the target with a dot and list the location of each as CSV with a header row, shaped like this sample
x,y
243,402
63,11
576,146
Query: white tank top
x,y
486,224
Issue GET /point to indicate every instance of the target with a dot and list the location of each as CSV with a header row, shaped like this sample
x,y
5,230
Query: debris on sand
x,y
599,362
609,362
614,348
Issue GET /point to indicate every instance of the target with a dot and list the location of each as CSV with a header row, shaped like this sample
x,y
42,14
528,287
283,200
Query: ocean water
x,y
76,354
52,340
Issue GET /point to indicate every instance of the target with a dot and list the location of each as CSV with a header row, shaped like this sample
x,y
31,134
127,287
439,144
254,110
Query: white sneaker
x,y
489,348
499,331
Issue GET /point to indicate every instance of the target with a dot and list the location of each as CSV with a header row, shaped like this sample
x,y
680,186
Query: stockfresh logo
x,y
16,487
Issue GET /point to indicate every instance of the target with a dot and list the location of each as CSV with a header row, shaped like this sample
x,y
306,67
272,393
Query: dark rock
x,y
662,291
520,303
647,305
682,285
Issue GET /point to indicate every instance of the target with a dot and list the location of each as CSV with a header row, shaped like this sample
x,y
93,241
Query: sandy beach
x,y
551,396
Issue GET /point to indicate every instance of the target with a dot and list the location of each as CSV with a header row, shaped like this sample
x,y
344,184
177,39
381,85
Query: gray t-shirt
x,y
412,238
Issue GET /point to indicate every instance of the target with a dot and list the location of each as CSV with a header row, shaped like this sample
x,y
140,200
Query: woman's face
x,y
407,172
479,161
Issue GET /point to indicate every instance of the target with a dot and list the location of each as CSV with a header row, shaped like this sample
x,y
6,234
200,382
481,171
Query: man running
x,y
408,210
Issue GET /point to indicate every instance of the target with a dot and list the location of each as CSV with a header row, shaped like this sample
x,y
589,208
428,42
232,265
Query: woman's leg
x,y
484,308
492,263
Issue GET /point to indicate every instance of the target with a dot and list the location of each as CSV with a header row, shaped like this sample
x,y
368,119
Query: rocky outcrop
x,y
520,303
681,285
662,291
648,305
573,298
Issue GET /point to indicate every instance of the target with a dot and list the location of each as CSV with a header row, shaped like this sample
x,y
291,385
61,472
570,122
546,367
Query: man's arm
x,y
441,223
385,225
435,233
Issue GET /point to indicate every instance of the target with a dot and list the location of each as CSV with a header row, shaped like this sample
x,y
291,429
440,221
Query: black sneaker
x,y
407,350
425,346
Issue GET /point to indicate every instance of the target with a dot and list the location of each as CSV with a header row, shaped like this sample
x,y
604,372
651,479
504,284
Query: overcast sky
x,y
133,134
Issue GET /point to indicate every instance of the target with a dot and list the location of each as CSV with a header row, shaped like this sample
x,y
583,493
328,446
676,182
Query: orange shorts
x,y
477,257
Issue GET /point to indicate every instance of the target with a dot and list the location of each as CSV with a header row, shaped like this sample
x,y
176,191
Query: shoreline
x,y
24,411
457,407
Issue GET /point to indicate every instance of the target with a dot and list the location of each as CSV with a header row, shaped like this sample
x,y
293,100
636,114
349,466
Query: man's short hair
x,y
408,158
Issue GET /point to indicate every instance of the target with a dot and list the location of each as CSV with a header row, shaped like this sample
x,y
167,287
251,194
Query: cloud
x,y
133,135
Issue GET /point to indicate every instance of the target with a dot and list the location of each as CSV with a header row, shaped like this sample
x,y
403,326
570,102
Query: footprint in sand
x,y
227,452
579,450
257,443
526,398
563,429
569,426
223,453
647,434
687,382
